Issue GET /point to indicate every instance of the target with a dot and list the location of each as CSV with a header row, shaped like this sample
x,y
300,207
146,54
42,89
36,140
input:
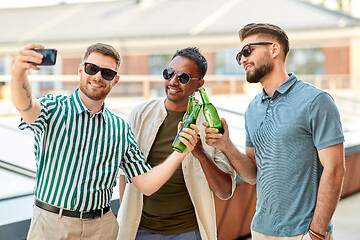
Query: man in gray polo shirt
x,y
294,143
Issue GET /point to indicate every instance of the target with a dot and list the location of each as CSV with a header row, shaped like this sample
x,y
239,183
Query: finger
x,y
31,66
211,130
190,145
34,58
22,63
189,134
195,128
33,46
211,141
205,124
213,136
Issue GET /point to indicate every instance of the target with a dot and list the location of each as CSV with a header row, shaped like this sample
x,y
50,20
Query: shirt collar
x,y
283,88
80,106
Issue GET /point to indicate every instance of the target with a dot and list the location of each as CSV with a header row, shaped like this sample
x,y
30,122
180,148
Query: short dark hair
x,y
104,49
193,53
266,29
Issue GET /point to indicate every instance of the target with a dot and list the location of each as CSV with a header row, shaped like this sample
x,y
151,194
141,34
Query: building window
x,y
306,61
158,63
2,67
225,63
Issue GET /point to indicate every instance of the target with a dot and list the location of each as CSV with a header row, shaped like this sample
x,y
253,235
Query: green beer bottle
x,y
190,107
177,145
210,113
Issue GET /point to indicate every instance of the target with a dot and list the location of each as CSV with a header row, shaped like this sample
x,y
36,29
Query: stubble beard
x,y
260,72
101,95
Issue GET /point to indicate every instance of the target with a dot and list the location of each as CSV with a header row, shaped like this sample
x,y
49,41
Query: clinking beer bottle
x,y
210,113
190,108
177,145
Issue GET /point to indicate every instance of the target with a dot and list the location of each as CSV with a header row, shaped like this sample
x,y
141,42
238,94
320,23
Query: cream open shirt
x,y
145,121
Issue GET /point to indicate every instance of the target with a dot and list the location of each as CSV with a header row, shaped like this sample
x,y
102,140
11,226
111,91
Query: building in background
x,y
325,44
325,51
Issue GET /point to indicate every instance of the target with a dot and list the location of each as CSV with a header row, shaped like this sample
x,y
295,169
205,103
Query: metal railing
x,y
144,85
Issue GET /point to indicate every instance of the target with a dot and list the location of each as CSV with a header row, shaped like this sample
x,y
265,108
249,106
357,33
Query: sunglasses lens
x,y
184,78
238,57
168,73
91,69
246,51
108,74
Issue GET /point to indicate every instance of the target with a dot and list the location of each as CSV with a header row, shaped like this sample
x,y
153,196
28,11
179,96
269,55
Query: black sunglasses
x,y
106,73
246,50
183,77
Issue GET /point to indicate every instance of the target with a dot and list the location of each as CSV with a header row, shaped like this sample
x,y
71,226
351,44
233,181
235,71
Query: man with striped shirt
x,y
80,146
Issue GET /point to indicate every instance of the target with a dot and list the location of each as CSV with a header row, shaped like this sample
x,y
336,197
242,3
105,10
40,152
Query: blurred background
x,y
324,51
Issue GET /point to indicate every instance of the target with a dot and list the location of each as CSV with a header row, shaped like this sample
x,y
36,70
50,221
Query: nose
x,y
98,75
243,60
174,80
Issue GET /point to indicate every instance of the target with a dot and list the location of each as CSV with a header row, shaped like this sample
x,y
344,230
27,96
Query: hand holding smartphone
x,y
49,56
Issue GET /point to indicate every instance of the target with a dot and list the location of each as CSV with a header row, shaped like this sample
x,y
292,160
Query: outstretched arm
x,y
244,164
332,159
218,180
151,181
24,101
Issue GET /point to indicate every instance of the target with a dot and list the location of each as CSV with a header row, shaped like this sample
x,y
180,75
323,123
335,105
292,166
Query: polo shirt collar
x,y
283,88
80,106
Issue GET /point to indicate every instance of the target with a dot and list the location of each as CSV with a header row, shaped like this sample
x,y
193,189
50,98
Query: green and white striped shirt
x,y
78,153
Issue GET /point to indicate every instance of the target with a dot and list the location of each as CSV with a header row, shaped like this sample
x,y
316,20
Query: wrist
x,y
316,235
178,156
228,146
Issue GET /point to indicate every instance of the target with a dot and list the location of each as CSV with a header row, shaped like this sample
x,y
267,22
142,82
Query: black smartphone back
x,y
49,56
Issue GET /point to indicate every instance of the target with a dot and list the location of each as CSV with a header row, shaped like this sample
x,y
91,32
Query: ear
x,y
80,69
116,80
276,49
200,84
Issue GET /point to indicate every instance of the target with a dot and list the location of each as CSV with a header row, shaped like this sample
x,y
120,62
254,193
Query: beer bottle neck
x,y
204,97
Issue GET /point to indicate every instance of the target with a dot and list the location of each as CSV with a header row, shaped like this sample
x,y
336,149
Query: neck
x,y
94,106
273,80
176,106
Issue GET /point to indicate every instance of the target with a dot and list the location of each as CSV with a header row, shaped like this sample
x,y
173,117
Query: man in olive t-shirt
x,y
184,207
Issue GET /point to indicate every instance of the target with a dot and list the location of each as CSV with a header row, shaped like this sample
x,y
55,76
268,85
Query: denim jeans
x,y
145,235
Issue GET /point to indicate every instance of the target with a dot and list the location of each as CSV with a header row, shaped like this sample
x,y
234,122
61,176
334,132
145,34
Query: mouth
x,y
95,84
247,66
174,90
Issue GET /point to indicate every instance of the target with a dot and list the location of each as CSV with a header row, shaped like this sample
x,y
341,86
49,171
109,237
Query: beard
x,y
94,95
260,72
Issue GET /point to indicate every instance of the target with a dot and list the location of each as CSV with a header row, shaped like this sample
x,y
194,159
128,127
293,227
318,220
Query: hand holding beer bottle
x,y
210,113
177,145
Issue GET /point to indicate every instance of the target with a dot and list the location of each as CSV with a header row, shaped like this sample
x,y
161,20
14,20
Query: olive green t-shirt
x,y
169,210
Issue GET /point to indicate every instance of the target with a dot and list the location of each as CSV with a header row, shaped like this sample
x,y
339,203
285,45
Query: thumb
x,y
225,125
179,125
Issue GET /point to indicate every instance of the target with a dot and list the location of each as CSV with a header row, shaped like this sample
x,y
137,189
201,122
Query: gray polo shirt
x,y
287,130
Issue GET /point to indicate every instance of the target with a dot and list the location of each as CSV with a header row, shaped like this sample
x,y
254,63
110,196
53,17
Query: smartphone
x,y
49,56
